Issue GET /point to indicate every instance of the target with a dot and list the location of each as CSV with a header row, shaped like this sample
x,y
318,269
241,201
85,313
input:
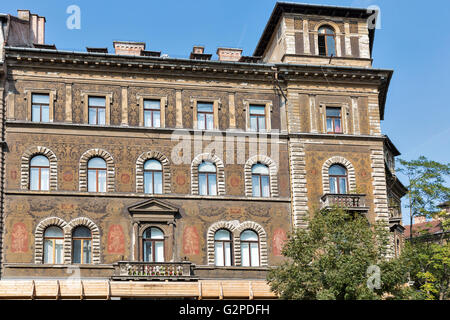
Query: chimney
x,y
198,49
130,48
419,219
198,53
23,14
229,54
36,25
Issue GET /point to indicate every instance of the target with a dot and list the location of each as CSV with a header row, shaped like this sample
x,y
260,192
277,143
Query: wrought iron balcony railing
x,y
356,202
137,270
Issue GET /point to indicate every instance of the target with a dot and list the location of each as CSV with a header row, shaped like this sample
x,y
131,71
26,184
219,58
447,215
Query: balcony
x,y
136,270
352,202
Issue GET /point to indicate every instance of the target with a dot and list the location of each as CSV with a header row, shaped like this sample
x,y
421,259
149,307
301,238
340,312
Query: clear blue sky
x,y
412,41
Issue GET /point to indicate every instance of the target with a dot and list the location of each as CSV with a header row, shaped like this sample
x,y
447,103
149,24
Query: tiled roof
x,y
420,229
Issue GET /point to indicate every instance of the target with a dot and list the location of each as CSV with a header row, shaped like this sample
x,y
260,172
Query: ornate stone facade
x,y
296,145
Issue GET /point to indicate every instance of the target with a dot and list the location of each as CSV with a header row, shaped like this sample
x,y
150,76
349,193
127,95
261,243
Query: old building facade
x,y
133,166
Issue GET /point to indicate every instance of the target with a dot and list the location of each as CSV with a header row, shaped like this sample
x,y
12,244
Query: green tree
x,y
428,263
426,186
331,259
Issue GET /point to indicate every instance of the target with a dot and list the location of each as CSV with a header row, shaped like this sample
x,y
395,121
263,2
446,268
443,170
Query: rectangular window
x,y
207,184
334,120
97,180
40,106
222,251
257,118
97,110
260,186
152,113
205,116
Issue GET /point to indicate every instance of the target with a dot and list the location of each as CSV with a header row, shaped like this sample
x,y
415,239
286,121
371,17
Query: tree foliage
x,y
330,260
426,185
428,264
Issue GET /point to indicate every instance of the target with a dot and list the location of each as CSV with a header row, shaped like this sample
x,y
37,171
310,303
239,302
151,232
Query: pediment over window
x,y
153,210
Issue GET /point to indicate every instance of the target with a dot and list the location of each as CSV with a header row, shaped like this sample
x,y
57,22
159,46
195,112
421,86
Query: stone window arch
x,y
350,172
110,170
220,172
227,225
39,237
236,229
273,170
337,31
95,231
25,167
251,225
140,170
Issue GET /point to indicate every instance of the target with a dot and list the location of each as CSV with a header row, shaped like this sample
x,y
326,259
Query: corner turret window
x,y
327,41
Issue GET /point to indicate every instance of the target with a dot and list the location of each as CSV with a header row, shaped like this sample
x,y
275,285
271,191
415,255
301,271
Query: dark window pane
x,y
337,170
333,112
81,232
322,48
76,247
331,46
86,251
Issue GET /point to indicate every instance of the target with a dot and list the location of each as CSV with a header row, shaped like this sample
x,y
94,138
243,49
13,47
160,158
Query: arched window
x,y
53,245
96,175
222,248
327,41
39,173
338,179
260,180
249,249
81,245
153,177
153,245
207,179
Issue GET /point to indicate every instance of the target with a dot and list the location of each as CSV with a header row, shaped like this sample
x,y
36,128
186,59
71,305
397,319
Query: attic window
x,y
327,41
